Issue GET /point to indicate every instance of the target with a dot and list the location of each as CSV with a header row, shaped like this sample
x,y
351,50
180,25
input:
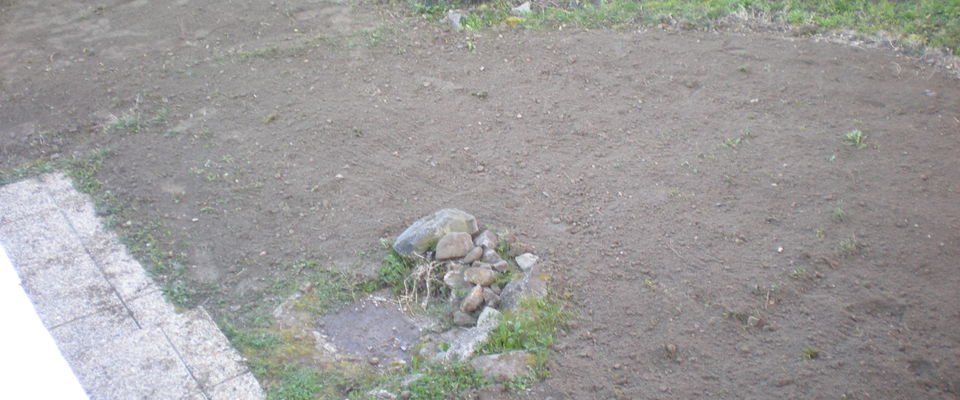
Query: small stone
x,y
505,366
784,382
405,394
500,266
305,287
463,319
453,245
754,321
454,18
486,240
454,280
526,261
491,257
489,318
491,298
374,361
670,350
496,289
521,10
533,284
480,276
473,255
473,300
383,394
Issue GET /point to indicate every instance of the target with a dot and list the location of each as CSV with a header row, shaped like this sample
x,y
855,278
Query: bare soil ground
x,y
675,183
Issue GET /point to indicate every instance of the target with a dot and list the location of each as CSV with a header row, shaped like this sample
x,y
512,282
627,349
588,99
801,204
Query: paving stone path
x,y
110,321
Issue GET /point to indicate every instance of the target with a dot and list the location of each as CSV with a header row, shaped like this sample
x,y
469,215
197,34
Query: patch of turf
x,y
438,381
531,327
915,22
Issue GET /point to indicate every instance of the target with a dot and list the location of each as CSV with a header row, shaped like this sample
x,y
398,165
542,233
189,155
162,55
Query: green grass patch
x,y
395,269
296,383
331,289
127,122
530,328
437,382
855,138
919,22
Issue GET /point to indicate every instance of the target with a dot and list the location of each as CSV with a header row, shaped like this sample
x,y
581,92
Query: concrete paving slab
x,y
198,340
76,207
123,340
58,274
120,268
90,333
243,387
141,365
28,198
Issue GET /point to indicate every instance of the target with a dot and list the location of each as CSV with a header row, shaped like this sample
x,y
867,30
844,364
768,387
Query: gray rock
x,y
463,319
491,257
473,255
453,245
488,319
486,239
521,10
382,394
473,300
454,280
454,18
501,266
480,275
526,261
490,297
464,342
505,366
531,284
426,231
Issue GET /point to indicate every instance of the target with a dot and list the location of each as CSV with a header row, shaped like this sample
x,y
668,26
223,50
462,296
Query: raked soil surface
x,y
675,184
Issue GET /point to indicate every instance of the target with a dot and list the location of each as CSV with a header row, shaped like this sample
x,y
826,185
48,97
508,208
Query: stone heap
x,y
471,263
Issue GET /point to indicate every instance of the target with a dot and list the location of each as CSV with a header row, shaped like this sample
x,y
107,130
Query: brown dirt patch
x,y
310,129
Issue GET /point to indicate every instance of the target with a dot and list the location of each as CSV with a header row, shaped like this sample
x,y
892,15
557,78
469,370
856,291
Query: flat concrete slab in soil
x,y
109,320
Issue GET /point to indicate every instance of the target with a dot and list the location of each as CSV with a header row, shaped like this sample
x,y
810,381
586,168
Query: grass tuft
x,y
809,353
855,138
531,327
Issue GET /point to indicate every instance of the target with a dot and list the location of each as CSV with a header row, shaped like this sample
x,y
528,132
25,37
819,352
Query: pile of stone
x,y
471,268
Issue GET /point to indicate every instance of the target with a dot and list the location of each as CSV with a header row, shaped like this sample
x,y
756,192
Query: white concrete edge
x,y
31,364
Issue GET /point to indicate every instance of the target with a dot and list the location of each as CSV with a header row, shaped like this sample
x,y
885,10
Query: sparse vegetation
x,y
127,122
296,383
809,353
850,247
855,138
733,142
531,328
438,381
838,215
798,273
914,22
